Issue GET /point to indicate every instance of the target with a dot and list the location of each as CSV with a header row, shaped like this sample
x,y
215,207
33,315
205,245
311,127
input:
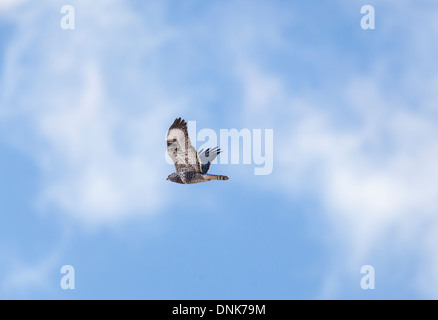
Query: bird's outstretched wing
x,y
180,149
207,158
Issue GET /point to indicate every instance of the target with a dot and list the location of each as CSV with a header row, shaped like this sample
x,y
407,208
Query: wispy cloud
x,y
21,278
91,106
368,152
94,128
6,5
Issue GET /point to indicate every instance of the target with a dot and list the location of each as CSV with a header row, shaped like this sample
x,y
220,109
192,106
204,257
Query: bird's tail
x,y
210,177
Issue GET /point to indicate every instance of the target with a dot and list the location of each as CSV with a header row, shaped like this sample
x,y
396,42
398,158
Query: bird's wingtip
x,y
179,124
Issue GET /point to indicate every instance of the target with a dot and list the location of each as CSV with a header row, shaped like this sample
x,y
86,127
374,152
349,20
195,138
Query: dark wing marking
x,y
207,158
180,148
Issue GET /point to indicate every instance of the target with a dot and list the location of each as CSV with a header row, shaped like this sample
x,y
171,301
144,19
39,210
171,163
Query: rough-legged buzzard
x,y
191,166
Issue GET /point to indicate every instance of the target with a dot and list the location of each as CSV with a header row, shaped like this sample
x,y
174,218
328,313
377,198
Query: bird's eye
x,y
170,141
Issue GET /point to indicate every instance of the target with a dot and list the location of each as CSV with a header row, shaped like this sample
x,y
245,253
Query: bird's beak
x,y
167,178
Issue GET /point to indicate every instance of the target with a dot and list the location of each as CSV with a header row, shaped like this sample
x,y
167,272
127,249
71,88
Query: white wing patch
x,y
180,148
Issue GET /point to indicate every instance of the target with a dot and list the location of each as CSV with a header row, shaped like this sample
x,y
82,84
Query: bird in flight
x,y
191,166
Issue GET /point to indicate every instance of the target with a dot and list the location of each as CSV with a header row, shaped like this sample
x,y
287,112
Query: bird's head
x,y
174,177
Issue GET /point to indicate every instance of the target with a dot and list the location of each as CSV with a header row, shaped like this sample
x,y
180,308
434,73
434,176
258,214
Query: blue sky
x,y
84,113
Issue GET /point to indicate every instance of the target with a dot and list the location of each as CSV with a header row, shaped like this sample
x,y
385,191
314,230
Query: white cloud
x,y
21,277
6,5
367,153
95,128
97,146
373,178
